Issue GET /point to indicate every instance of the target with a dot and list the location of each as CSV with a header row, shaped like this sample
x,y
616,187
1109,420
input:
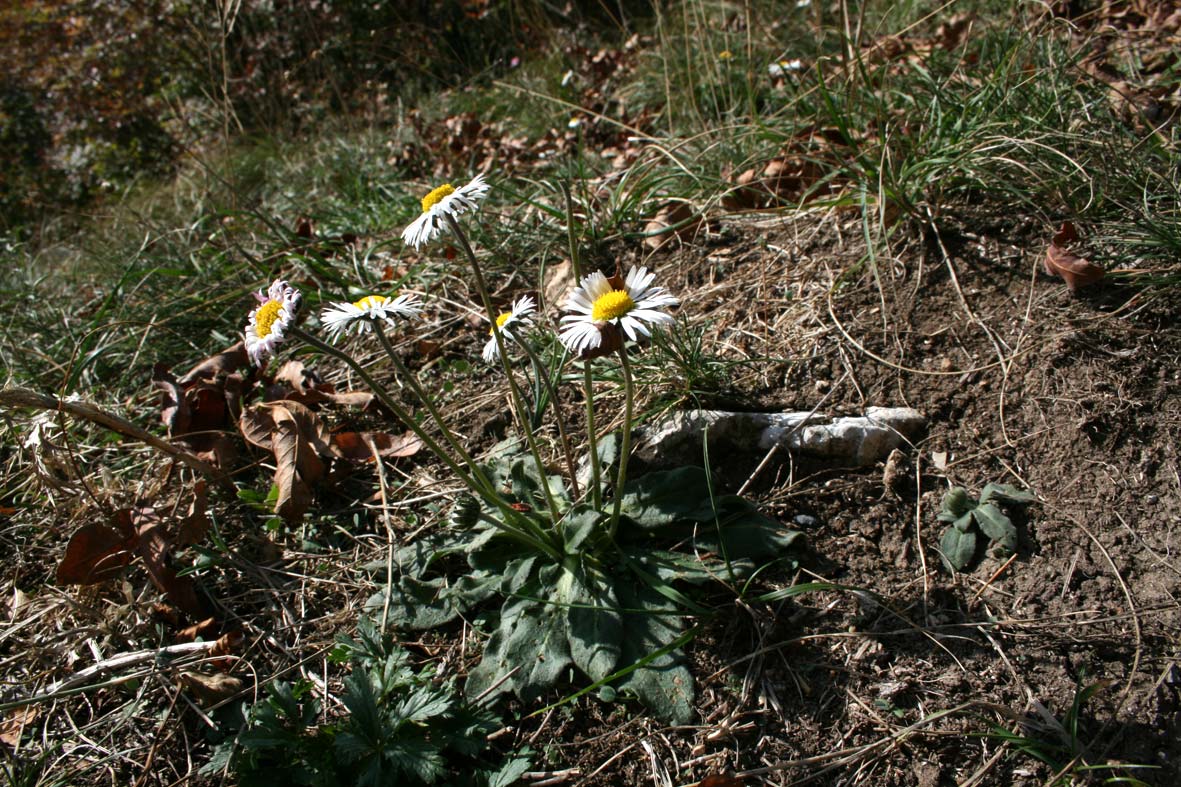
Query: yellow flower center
x,y
614,304
264,318
500,321
725,54
437,196
370,302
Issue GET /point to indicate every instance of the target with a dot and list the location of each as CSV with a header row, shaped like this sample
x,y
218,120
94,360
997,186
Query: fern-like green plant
x,y
402,727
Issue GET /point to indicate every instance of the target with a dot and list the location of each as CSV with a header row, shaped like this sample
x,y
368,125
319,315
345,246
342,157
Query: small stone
x,y
805,520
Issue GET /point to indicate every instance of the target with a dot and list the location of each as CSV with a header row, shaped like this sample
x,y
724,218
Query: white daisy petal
x,y
519,316
442,202
635,309
360,315
267,324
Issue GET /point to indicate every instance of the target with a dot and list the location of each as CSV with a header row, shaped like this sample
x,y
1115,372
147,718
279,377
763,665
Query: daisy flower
x,y
444,201
268,322
600,305
520,316
363,313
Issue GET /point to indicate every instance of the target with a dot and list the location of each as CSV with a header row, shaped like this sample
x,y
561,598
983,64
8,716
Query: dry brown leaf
x,y
155,546
209,689
195,525
14,723
225,362
559,281
1076,271
355,445
676,219
98,551
298,439
201,629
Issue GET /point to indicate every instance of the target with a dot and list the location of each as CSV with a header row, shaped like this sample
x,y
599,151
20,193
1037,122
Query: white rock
x,y
861,440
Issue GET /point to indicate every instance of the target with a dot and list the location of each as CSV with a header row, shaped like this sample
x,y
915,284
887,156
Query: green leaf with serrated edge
x,y
650,624
958,548
998,527
663,498
423,604
1006,494
531,643
577,526
595,625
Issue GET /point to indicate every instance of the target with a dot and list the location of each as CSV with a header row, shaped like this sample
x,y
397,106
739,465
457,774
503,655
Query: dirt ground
x,y
1073,397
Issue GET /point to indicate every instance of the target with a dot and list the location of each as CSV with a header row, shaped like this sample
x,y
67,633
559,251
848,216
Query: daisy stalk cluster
x,y
573,580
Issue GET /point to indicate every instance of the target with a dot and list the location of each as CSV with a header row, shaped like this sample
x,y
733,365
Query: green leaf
x,y
964,523
607,449
531,643
1006,494
650,624
998,527
956,503
526,484
595,626
747,533
510,773
423,604
662,498
577,526
674,566
958,548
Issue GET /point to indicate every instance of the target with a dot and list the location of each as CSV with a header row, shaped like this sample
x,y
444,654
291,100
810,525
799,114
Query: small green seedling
x,y
966,516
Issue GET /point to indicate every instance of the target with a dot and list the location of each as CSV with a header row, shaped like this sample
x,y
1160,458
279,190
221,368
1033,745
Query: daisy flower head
x,y
267,325
519,317
444,201
601,308
361,314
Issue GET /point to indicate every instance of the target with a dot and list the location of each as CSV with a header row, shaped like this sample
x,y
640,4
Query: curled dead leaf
x,y
14,723
676,219
355,445
1076,271
209,689
299,441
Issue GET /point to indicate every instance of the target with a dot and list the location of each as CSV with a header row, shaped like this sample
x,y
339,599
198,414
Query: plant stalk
x,y
625,442
506,364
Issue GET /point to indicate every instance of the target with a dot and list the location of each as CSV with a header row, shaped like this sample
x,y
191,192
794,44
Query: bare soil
x,y
1071,397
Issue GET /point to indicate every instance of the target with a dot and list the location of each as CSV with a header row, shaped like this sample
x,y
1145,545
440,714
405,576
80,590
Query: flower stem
x,y
429,403
382,394
515,391
625,443
543,374
596,473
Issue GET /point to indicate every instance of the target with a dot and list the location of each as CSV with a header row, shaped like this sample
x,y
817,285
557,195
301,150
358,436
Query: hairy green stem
x,y
429,402
543,373
592,440
408,420
625,443
506,364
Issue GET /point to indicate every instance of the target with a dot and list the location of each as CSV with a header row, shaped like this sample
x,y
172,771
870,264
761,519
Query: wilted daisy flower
x,y
363,313
444,201
520,316
268,323
599,303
